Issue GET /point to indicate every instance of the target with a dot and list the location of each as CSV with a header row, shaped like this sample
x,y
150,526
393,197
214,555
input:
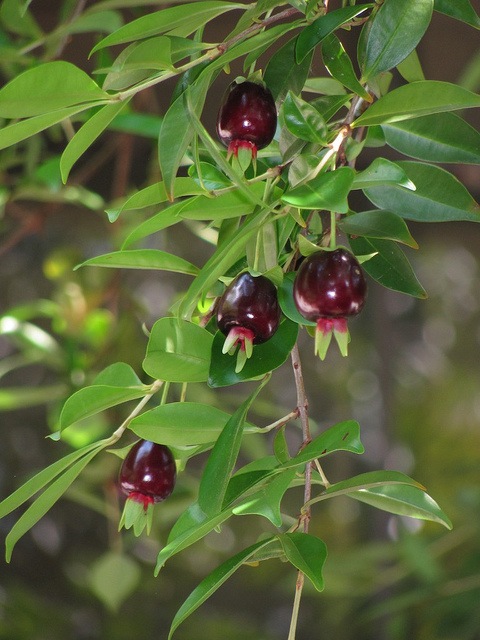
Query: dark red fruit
x,y
247,117
148,473
328,288
248,313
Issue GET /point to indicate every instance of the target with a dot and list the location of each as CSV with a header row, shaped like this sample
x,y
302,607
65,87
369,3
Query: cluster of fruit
x,y
328,288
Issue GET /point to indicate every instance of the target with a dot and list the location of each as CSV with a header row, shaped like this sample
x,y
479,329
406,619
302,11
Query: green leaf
x,y
90,400
382,171
182,20
396,29
327,191
417,99
459,9
222,459
178,351
86,136
266,357
142,259
176,131
46,88
208,176
303,120
19,131
378,224
340,67
266,500
344,436
224,257
439,196
439,137
118,374
155,194
41,479
307,553
183,424
404,500
113,577
212,582
232,204
285,299
323,26
283,73
46,500
162,220
389,266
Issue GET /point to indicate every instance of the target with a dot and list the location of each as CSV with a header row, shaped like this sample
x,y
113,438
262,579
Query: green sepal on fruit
x,y
137,513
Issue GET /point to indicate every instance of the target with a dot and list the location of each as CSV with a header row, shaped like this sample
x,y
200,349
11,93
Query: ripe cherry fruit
x,y
147,476
328,288
248,313
247,118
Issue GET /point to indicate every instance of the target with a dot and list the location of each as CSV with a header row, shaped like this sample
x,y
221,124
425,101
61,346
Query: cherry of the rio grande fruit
x,y
147,476
248,313
247,117
330,287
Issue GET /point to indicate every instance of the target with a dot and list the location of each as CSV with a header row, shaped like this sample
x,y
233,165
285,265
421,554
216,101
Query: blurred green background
x,y
412,380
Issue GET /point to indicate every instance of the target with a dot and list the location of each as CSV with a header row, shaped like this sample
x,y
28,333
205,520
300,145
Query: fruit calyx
x,y
147,476
247,119
248,313
330,287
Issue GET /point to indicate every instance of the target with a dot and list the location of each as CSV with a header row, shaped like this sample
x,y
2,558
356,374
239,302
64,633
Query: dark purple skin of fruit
x,y
247,113
329,284
251,303
149,471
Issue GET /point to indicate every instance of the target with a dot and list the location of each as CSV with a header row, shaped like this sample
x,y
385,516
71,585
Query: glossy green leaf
x,y
19,131
162,220
404,500
90,400
382,171
328,106
308,554
344,436
327,191
223,458
340,67
389,266
178,351
303,120
439,137
370,480
46,500
232,204
459,9
154,54
183,424
439,196
97,21
266,357
182,19
177,131
285,299
266,501
208,176
142,259
87,134
46,88
417,99
155,194
212,582
280,445
323,26
41,479
118,374
396,29
224,257
378,224
283,73
410,68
